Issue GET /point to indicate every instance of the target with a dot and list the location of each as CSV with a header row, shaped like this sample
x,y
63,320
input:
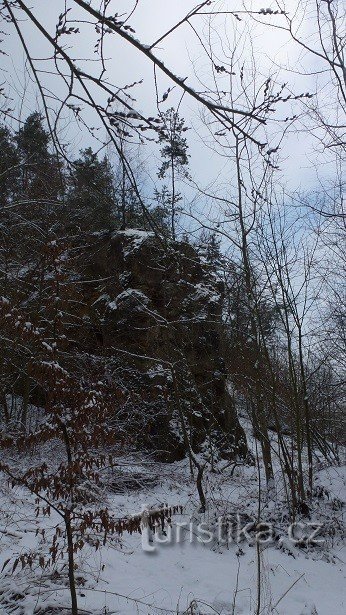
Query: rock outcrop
x,y
156,309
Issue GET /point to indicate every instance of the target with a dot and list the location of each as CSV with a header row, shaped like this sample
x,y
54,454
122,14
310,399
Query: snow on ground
x,y
183,577
176,574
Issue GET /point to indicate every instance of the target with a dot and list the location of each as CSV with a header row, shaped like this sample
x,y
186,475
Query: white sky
x,y
182,53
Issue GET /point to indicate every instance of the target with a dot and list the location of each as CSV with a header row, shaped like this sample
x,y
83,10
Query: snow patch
x,y
137,238
131,294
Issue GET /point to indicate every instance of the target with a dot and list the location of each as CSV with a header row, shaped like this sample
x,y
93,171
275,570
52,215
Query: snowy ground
x,y
184,577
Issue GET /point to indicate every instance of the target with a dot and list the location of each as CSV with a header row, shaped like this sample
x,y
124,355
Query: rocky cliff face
x,y
156,310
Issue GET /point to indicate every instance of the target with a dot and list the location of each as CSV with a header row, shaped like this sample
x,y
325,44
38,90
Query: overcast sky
x,y
183,53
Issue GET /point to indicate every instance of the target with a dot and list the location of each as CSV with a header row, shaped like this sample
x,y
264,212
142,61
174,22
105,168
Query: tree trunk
x,y
71,577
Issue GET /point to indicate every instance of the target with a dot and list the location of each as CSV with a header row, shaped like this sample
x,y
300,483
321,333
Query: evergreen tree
x,y
92,194
209,247
175,158
128,210
9,165
40,170
161,212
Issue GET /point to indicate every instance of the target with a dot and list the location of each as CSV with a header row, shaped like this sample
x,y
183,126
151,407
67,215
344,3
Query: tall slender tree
x,y
175,158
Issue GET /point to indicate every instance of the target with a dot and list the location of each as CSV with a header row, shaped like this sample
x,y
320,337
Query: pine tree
x,y
40,170
175,158
9,165
91,198
9,175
